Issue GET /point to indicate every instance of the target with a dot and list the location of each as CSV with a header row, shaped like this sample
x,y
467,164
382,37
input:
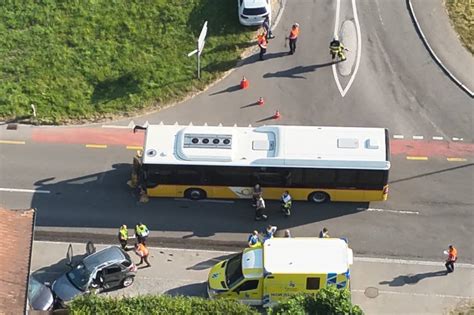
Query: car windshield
x,y
254,11
80,276
233,272
34,288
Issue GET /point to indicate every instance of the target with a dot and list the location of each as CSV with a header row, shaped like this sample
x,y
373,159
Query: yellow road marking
x,y
96,146
418,158
456,159
12,142
134,147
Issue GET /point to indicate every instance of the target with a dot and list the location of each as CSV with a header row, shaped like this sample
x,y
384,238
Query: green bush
x,y
162,304
326,302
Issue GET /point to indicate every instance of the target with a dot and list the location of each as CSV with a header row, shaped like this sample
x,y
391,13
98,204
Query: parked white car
x,y
253,12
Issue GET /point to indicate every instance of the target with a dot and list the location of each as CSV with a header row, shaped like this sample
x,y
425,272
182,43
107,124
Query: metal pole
x,y
198,62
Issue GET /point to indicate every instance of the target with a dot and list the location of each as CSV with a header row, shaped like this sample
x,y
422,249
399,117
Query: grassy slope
x,y
80,60
461,13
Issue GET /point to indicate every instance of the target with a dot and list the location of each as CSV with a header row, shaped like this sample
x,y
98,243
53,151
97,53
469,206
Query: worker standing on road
x,y
141,232
293,37
324,233
142,251
136,169
254,239
337,49
452,257
256,193
269,232
123,236
286,203
287,233
262,44
267,28
260,208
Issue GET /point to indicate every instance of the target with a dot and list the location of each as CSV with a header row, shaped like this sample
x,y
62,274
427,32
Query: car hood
x,y
43,299
64,289
217,276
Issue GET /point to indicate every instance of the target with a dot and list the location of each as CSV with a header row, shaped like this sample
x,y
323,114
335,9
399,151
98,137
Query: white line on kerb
x,y
389,210
398,136
338,8
417,137
418,294
25,190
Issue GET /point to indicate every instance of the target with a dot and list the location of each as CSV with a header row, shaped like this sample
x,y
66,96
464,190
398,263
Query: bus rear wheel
x,y
195,194
318,197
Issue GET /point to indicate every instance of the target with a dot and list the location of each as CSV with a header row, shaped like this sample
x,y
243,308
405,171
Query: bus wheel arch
x,y
195,194
319,197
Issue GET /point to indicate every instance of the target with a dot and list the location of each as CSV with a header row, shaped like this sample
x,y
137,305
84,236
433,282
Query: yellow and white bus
x,y
318,164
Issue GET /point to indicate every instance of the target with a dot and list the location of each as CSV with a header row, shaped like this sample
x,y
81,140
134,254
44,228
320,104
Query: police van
x,y
280,268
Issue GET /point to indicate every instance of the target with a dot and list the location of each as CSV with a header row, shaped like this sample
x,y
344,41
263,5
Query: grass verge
x,y
95,59
461,13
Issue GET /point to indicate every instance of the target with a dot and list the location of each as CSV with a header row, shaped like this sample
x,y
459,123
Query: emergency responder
x,y
256,193
141,232
123,236
337,49
269,232
259,209
267,28
142,251
452,257
262,44
285,201
294,32
324,233
254,239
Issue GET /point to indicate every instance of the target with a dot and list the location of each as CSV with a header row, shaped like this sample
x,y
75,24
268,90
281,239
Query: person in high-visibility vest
x,y
123,236
286,203
337,49
141,232
452,257
262,44
142,251
294,32
254,240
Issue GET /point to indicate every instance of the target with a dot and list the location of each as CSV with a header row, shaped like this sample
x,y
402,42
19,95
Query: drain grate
x,y
371,292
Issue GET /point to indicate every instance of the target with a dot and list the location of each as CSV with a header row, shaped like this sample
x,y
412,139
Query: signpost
x,y
200,46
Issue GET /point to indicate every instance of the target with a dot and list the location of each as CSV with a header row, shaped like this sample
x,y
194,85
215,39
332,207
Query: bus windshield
x,y
233,272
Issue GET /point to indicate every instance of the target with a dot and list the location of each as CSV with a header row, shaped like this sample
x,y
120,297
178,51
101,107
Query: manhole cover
x,y
371,292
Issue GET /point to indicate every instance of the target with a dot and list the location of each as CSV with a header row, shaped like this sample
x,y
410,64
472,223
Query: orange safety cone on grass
x,y
244,83
277,115
261,101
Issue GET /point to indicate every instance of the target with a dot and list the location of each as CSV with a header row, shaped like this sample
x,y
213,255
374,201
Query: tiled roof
x,y
16,230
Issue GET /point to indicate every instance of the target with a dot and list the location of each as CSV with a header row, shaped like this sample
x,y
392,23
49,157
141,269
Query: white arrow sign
x,y
202,38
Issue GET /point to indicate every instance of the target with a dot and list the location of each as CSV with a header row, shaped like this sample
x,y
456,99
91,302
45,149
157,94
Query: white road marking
x,y
206,200
438,138
417,137
130,125
418,294
358,51
280,13
398,137
33,191
389,210
457,139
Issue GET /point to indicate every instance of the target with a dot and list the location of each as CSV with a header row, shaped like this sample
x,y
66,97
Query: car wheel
x,y
127,281
318,197
195,194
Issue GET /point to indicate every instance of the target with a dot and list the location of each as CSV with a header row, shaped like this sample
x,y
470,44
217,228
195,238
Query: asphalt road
x,y
397,86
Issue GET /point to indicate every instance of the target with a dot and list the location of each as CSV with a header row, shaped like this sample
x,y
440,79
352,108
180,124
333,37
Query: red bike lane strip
x,y
88,136
126,137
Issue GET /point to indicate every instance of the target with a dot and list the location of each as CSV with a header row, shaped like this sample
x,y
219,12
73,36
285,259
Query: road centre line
x,y
356,258
134,147
437,138
96,146
457,139
34,191
454,159
417,137
418,294
388,210
417,158
398,137
12,142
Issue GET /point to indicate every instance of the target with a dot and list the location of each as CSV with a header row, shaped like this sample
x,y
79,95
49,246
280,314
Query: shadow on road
x,y
193,289
430,173
228,90
413,279
203,265
294,72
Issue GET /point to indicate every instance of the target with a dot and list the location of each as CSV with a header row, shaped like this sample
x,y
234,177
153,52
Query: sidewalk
x,y
443,39
379,286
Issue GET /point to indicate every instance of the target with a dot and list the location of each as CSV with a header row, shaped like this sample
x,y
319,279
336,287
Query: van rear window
x,y
254,11
312,283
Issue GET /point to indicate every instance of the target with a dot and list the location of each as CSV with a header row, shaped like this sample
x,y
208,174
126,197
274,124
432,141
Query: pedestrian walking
x,y
287,233
262,44
452,253
123,236
293,37
324,233
141,232
285,202
142,251
259,209
336,48
267,29
254,239
269,232
256,193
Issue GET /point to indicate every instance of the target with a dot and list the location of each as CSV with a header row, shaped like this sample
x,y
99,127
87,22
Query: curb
x,y
433,54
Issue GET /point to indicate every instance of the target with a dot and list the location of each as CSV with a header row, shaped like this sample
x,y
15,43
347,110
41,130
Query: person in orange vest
x,y
295,31
452,257
262,43
142,251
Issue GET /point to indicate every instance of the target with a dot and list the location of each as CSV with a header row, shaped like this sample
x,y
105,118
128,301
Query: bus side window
x,y
371,179
346,178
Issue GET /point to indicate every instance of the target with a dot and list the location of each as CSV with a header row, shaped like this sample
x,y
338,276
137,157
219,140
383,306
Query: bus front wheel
x,y
318,197
195,194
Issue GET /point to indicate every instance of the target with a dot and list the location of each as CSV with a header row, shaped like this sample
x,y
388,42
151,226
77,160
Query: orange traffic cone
x,y
260,101
244,83
277,115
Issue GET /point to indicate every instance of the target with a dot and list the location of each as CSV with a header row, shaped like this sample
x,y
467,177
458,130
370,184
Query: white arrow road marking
x,y
358,52
389,210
